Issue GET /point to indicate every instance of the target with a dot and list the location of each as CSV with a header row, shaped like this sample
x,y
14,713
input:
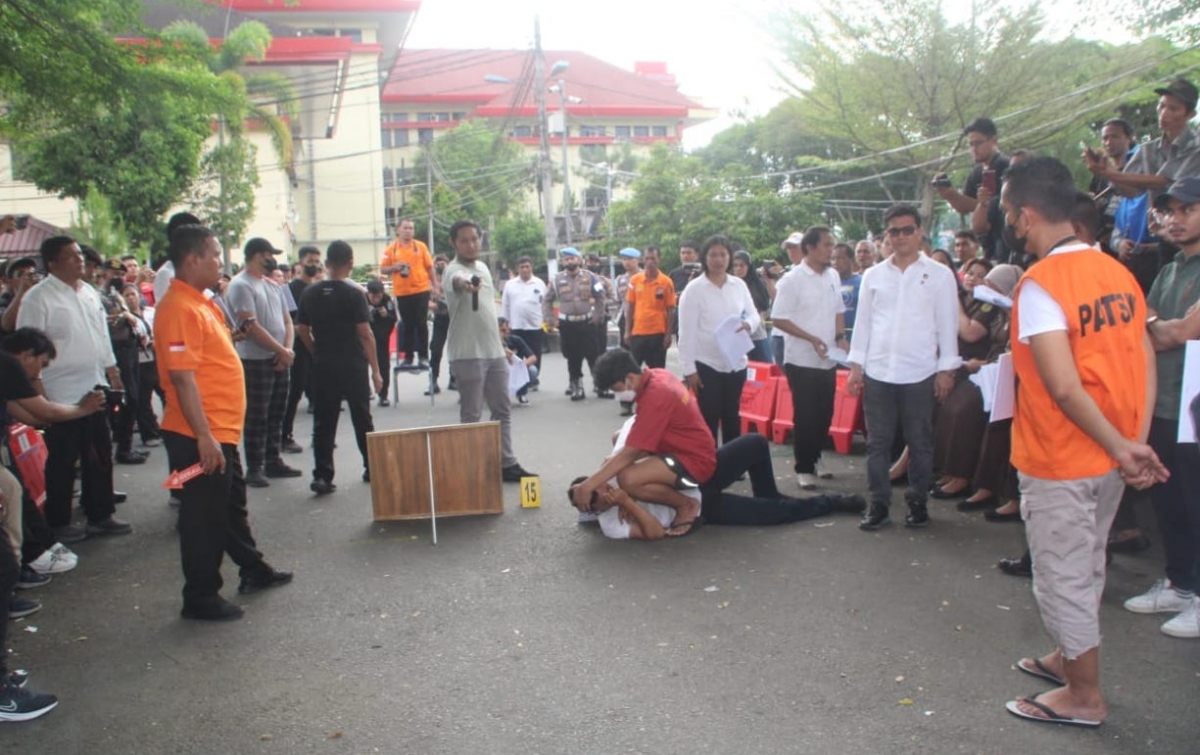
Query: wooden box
x,y
465,464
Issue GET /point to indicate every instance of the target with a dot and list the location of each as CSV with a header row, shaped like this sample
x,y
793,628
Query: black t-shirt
x,y
334,309
14,383
298,288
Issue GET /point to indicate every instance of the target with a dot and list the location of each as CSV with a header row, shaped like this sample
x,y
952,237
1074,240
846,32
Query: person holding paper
x,y
809,311
205,410
716,316
1085,387
516,349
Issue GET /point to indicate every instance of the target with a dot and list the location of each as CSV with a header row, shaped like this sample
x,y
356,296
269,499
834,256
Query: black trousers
x,y
1177,504
298,386
536,340
37,537
10,572
578,345
812,406
266,402
649,350
751,455
414,325
147,420
332,384
441,329
124,417
720,398
85,441
383,353
213,520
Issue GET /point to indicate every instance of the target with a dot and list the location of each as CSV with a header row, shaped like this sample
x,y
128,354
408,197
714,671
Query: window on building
x,y
425,117
593,131
399,137
457,116
388,178
424,135
522,132
355,34
624,132
385,138
659,131
641,131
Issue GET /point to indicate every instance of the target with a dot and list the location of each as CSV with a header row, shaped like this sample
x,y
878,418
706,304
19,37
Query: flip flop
x,y
1051,716
692,526
1040,670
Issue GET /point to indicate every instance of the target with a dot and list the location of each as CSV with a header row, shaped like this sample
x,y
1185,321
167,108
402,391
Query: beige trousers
x,y
10,509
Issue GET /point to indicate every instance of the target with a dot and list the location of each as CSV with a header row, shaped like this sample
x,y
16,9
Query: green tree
x,y
99,226
519,234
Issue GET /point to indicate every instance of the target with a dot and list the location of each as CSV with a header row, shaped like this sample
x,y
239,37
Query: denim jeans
x,y
912,404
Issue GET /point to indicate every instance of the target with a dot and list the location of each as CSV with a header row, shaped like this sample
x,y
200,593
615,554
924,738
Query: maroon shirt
x,y
669,422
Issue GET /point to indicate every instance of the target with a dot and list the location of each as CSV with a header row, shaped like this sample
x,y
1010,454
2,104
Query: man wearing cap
x,y
1173,320
383,320
309,267
69,312
649,313
19,276
408,262
580,296
521,304
267,356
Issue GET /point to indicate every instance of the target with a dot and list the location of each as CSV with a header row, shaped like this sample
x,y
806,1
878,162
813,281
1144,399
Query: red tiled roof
x,y
458,76
28,240
320,6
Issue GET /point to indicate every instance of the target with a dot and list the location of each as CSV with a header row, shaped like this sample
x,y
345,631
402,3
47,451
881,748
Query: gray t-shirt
x,y
474,334
265,299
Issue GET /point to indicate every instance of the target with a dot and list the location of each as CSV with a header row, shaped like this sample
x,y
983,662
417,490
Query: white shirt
x,y
906,328
1037,311
521,303
74,320
703,306
811,301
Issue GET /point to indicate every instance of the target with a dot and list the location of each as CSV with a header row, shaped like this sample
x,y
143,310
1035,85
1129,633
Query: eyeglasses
x,y
904,230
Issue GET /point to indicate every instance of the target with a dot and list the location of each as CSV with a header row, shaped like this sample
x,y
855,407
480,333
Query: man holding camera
x,y
408,262
649,313
70,313
989,167
473,348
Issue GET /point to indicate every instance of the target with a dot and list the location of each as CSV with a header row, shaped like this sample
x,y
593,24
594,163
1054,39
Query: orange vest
x,y
1106,319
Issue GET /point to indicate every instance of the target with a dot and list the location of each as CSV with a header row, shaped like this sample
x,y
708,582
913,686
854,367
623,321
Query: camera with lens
x,y
113,399
404,270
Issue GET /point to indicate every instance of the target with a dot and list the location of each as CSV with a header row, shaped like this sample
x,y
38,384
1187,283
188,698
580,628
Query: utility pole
x,y
562,99
429,193
539,87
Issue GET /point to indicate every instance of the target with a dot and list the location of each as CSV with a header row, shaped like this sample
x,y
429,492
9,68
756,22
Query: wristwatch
x,y
1151,320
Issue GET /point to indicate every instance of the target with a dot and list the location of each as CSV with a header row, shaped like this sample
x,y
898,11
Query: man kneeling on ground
x,y
622,518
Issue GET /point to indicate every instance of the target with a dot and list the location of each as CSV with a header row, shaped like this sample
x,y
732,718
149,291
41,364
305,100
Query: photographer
x,y
989,167
126,332
413,283
20,275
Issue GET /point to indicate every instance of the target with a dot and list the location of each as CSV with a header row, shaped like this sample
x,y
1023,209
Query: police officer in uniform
x,y
595,267
581,297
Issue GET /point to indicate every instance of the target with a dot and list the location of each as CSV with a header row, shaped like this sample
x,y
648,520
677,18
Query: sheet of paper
x,y
984,294
1191,387
518,375
985,380
841,356
1005,394
733,341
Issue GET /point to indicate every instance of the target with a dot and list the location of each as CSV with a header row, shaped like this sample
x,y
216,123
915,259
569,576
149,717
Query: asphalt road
x,y
526,633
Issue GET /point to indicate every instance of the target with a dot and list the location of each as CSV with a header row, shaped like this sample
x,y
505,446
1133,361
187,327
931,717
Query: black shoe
x,y
129,457
451,386
366,475
19,608
109,526
1012,516
570,391
264,581
917,516
290,446
523,399
17,678
990,502
942,495
322,487
847,504
217,609
279,469
1016,567
30,579
605,394
20,704
876,517
154,441
384,402
256,479
1129,545
69,533
578,394
626,409
119,497
434,391
514,473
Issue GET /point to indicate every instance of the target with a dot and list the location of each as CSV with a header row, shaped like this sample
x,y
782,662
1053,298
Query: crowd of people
x,y
1091,295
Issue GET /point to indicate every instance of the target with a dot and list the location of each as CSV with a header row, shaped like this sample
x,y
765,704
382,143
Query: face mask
x,y
270,265
311,270
571,265
626,397
1009,236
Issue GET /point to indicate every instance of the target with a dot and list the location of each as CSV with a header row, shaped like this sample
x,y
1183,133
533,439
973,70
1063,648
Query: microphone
x,y
475,294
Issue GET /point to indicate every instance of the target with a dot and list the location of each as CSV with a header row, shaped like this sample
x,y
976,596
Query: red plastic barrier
x,y
847,416
29,452
784,420
758,398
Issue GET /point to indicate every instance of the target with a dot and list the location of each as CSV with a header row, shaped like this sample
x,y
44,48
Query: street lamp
x,y
561,90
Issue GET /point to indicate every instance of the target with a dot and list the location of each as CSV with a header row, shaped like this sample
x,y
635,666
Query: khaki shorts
x,y
1067,523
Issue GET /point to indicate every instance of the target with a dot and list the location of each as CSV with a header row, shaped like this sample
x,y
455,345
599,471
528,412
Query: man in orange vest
x,y
1085,389
408,262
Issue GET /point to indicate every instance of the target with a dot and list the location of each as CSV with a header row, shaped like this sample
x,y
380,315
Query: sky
x,y
721,51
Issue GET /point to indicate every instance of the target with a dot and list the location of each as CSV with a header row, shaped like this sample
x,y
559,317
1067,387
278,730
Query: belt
x,y
575,318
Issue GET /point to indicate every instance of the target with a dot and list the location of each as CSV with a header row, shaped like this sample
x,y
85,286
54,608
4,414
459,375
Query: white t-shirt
x,y
1037,311
811,301
610,519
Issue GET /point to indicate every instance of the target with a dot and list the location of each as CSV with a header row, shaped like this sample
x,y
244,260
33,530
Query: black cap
x,y
113,266
374,286
258,245
90,255
1182,90
18,262
1186,190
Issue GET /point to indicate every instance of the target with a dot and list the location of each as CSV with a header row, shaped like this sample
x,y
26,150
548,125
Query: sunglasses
x,y
906,230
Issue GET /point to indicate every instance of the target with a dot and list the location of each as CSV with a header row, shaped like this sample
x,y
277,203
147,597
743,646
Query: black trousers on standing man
x,y
332,384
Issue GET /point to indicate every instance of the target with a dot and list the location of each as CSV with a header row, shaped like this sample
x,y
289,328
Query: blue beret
x,y
569,252
631,253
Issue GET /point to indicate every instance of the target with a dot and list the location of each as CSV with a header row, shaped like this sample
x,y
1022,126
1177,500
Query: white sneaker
x,y
52,563
807,481
1160,598
823,472
1187,624
65,553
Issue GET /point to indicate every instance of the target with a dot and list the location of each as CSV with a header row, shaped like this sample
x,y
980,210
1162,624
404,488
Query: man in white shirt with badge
x,y
903,354
809,311
521,305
